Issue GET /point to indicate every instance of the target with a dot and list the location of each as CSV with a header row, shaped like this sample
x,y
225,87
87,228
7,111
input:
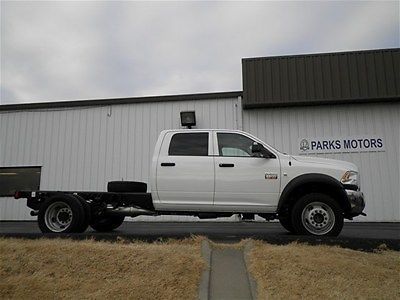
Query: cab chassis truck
x,y
210,174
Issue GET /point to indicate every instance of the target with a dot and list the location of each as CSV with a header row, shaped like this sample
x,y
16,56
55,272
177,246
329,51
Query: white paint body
x,y
199,183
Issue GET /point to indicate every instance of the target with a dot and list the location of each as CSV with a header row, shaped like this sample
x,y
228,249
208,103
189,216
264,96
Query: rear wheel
x,y
317,214
107,223
88,214
61,214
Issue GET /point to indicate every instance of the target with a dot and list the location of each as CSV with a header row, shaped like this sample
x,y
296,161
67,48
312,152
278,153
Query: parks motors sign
x,y
341,145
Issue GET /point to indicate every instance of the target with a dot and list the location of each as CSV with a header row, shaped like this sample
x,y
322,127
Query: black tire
x,y
74,217
321,205
127,187
286,223
88,214
107,223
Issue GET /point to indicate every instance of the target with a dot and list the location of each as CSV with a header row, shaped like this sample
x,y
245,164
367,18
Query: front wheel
x,y
107,223
317,214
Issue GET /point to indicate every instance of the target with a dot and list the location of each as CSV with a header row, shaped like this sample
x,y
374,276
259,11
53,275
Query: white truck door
x,y
242,180
185,170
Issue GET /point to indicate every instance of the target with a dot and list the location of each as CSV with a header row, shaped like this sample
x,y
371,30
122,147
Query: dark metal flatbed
x,y
142,200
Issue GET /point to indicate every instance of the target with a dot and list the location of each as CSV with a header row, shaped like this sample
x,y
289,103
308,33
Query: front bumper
x,y
357,203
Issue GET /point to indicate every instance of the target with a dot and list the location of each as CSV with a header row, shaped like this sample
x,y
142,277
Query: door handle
x,y
167,164
226,165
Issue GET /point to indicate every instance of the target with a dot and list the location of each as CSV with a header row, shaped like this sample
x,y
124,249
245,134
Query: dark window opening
x,y
19,178
189,144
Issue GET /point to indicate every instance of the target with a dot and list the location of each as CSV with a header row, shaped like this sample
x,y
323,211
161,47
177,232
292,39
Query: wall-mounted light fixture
x,y
188,118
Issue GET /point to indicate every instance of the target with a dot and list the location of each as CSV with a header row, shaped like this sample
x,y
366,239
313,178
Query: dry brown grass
x,y
42,269
317,272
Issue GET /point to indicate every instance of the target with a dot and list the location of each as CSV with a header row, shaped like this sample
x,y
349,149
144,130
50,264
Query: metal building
x,y
293,103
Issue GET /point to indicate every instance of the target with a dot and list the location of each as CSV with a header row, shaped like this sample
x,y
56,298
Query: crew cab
x,y
210,174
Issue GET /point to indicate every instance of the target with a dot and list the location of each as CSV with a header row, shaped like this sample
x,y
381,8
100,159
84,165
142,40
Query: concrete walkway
x,y
228,278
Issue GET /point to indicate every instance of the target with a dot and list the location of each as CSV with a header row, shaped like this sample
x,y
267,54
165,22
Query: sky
x,y
64,50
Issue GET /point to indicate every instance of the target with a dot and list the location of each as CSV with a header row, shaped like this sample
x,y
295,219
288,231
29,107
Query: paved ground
x,y
365,236
220,230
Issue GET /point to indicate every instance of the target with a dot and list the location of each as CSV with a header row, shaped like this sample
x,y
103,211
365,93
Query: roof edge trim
x,y
319,54
116,101
321,102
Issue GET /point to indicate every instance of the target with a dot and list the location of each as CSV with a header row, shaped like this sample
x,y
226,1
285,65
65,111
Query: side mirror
x,y
256,148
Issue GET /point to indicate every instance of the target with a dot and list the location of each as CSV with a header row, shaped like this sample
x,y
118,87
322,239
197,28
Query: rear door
x,y
244,181
185,170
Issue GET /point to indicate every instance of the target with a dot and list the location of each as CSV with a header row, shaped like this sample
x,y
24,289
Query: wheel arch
x,y
313,182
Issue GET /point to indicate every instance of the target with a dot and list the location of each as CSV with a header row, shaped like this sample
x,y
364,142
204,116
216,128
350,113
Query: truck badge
x,y
271,176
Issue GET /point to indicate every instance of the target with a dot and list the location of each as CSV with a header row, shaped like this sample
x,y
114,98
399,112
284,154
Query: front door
x,y
185,171
244,181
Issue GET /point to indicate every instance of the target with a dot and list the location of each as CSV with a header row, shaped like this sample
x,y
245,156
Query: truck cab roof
x,y
201,130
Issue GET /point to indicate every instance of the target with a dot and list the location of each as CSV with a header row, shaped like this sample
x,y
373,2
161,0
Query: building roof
x,y
113,101
311,79
327,78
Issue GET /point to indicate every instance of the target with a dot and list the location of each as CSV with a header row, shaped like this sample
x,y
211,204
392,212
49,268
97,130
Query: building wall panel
x,y
282,127
326,78
83,148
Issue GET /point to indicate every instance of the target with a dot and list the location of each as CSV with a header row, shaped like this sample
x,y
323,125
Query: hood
x,y
326,161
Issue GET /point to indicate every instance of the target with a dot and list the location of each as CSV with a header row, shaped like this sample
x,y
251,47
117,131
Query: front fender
x,y
315,181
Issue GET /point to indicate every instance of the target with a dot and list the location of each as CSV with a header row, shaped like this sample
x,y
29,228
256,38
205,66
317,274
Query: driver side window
x,y
232,144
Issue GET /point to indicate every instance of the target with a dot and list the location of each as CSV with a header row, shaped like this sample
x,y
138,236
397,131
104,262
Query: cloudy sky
x,y
84,50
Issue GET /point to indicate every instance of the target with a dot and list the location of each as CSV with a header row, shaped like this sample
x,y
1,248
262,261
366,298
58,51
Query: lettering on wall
x,y
341,145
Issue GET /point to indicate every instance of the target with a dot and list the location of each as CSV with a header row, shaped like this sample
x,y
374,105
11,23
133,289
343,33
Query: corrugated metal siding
x,y
282,127
84,148
321,78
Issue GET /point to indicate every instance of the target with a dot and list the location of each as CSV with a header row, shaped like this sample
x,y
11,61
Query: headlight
x,y
350,177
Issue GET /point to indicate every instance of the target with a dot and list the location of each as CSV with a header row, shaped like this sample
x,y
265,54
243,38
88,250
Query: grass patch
x,y
317,272
62,268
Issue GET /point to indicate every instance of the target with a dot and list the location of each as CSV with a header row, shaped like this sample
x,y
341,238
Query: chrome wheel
x,y
58,216
318,218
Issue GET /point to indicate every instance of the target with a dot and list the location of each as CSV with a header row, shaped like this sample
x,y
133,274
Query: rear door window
x,y
189,144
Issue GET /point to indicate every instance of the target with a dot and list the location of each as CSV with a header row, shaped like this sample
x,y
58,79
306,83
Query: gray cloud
x,y
81,50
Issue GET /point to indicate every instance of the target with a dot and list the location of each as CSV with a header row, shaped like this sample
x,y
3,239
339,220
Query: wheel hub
x,y
318,218
64,215
58,216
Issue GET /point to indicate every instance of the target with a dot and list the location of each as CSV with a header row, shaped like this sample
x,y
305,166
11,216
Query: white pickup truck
x,y
215,173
